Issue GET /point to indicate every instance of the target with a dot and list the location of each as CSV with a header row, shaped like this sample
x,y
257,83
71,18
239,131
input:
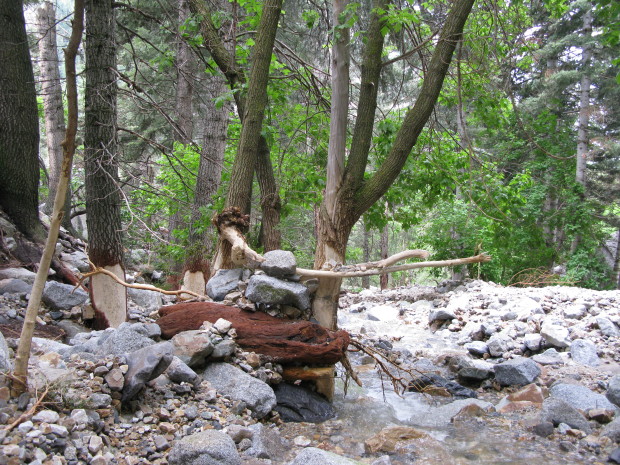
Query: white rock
x,y
384,313
46,416
554,334
222,325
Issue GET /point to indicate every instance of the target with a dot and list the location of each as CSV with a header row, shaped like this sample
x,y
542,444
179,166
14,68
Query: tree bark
x,y
271,237
19,123
366,251
68,145
385,236
51,88
101,164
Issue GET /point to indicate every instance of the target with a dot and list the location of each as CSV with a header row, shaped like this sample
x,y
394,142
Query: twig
x,y
29,413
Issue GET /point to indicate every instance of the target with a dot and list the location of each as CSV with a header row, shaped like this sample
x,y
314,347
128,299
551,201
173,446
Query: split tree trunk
x,y
105,248
51,89
385,237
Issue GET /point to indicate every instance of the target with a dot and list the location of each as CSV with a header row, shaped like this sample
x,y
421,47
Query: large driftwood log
x,y
287,342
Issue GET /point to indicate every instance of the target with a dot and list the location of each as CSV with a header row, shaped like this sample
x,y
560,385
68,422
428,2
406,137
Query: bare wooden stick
x,y
242,253
24,416
408,266
405,254
146,287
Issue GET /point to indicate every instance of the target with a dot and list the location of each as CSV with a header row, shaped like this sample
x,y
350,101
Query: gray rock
x,y
516,372
555,335
233,382
18,273
532,341
125,339
612,430
77,260
441,417
179,372
5,359
476,370
192,347
315,456
60,296
499,344
613,390
607,327
523,307
478,348
149,300
584,352
224,349
576,311
223,282
279,263
144,365
548,357
296,403
558,411
272,291
72,328
44,345
14,286
208,447
580,397
266,443
441,314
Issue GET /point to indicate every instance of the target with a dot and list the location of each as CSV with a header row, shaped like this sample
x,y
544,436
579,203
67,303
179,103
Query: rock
x,y
209,447
192,347
549,357
5,358
584,352
580,397
529,396
407,441
279,263
543,429
555,334
60,296
499,344
179,372
558,411
77,260
576,311
46,416
296,403
233,382
315,456
124,340
477,370
439,417
266,443
22,274
532,341
272,291
385,313
518,371
478,348
115,379
601,415
144,365
423,381
607,327
614,457
612,430
14,286
223,282
523,307
148,300
222,325
72,328
613,390
223,350
441,314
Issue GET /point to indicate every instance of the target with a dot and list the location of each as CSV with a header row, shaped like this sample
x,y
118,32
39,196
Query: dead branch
x,y
146,287
24,416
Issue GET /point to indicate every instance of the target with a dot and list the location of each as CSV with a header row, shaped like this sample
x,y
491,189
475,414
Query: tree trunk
x,y
384,245
366,252
19,123
270,199
68,145
208,182
617,261
101,164
51,88
240,190
584,113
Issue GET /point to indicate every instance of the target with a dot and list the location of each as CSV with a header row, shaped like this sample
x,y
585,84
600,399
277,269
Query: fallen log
x,y
307,373
285,341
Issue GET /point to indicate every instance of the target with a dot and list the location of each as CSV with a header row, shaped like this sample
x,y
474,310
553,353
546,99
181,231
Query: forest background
x,y
519,158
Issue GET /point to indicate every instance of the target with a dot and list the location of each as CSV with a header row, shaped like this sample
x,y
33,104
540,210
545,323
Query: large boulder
x,y
612,430
192,347
60,296
223,282
266,443
613,390
125,339
238,385
5,359
18,273
558,411
208,447
272,291
14,286
584,352
607,327
148,300
580,397
296,403
516,372
145,365
279,263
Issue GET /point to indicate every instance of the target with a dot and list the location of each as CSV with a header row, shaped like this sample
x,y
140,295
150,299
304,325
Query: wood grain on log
x,y
285,341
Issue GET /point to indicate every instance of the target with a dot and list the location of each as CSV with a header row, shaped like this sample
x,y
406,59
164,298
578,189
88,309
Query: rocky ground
x,y
486,375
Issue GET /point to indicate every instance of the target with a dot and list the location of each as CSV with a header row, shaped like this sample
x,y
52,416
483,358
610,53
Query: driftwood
x,y
307,373
285,341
